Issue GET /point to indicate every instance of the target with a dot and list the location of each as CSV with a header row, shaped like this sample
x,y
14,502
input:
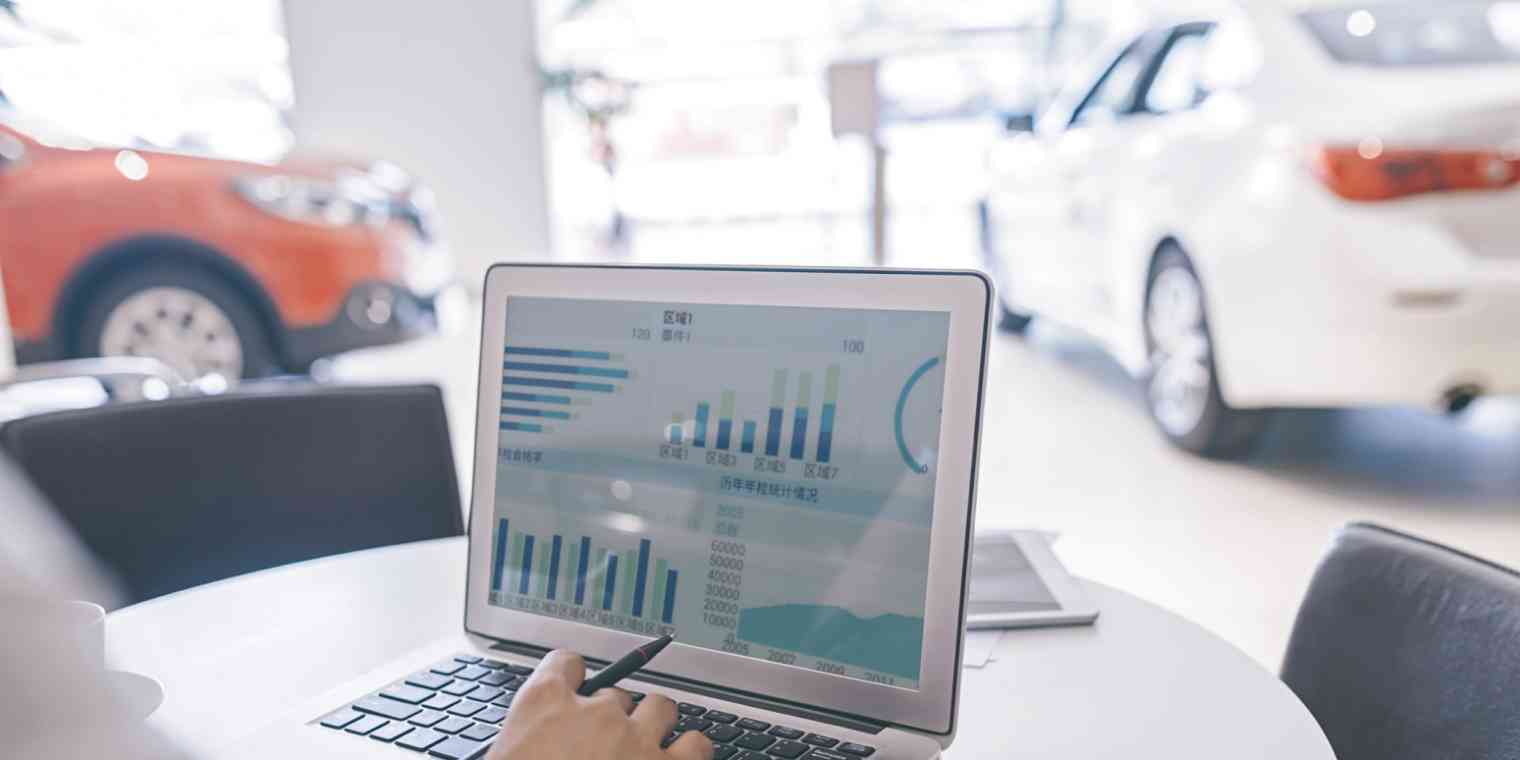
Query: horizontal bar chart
x,y
538,381
539,398
520,411
559,353
569,385
566,369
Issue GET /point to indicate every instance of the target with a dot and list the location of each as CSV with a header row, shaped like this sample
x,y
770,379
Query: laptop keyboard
x,y
455,709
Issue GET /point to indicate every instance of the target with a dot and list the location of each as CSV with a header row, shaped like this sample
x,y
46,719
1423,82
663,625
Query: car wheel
x,y
188,318
1183,383
1009,319
1012,321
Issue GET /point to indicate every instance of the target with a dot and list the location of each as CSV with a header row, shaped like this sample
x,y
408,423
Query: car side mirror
x,y
1015,123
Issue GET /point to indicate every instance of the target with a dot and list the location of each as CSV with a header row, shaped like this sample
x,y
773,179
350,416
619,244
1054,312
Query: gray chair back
x,y
1408,650
178,493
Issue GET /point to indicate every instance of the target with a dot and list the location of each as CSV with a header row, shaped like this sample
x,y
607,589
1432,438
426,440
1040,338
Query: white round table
x,y
1142,683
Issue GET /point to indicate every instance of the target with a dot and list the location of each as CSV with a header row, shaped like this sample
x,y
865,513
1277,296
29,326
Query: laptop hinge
x,y
842,720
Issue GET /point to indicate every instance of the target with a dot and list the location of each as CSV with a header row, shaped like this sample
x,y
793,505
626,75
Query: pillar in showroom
x,y
447,89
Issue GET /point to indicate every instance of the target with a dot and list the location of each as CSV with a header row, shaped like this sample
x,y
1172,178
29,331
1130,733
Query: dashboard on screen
x,y
759,479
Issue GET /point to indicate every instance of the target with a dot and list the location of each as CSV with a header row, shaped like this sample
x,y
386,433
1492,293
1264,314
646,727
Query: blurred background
x,y
1258,265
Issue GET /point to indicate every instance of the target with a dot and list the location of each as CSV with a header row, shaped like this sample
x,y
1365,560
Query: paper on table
x,y
979,646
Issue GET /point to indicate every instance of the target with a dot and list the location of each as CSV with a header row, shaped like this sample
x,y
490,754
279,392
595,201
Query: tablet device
x,y
1017,582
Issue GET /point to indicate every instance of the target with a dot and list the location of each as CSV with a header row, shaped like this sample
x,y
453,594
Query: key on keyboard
x,y
408,694
754,741
455,748
820,753
818,740
467,708
429,681
341,718
789,750
723,734
420,739
453,725
428,719
390,733
479,733
388,708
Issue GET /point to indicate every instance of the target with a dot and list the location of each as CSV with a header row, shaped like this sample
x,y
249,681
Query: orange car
x,y
213,266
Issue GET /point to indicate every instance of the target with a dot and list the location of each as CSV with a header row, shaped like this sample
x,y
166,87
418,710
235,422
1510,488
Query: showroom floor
x,y
1068,448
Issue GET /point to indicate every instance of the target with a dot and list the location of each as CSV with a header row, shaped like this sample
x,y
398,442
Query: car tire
x,y
1010,320
1182,382
187,316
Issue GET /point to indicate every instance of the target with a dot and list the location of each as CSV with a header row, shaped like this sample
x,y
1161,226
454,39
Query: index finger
x,y
560,665
691,746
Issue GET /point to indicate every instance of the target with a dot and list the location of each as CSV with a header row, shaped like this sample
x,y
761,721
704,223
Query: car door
x,y
1044,186
1095,155
1123,185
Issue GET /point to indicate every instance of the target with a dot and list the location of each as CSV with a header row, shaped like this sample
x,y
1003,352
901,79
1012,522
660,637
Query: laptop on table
x,y
778,465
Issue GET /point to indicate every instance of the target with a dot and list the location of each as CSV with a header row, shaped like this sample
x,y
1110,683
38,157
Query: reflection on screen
x,y
760,479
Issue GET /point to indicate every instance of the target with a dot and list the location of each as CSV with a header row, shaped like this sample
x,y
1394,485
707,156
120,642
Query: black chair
x,y
177,493
1408,650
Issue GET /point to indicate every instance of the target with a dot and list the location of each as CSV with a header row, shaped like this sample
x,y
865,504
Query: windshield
x,y
1420,32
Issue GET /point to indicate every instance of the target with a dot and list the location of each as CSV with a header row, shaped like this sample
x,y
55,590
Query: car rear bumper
x,y
1425,355
373,314
1366,304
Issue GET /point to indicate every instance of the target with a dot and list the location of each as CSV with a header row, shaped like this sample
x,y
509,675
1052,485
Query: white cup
x,y
69,629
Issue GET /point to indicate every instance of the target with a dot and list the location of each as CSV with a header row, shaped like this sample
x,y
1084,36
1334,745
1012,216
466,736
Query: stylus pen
x,y
626,666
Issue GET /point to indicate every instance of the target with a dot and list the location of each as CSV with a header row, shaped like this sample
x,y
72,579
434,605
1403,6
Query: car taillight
x,y
1372,172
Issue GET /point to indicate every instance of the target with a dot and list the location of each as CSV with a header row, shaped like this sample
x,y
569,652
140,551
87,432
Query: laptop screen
x,y
757,479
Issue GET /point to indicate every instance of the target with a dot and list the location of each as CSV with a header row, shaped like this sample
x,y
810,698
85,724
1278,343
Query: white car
x,y
1291,204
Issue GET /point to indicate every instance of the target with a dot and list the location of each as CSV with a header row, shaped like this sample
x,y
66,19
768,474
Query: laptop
x,y
777,465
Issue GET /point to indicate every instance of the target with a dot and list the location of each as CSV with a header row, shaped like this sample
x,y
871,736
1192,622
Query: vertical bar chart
x,y
670,596
699,436
800,419
633,582
527,565
773,429
809,411
553,571
498,560
583,559
514,560
660,567
625,582
826,421
611,584
725,420
639,579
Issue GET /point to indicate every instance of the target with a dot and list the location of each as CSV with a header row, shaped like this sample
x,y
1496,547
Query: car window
x,y
1176,87
1114,94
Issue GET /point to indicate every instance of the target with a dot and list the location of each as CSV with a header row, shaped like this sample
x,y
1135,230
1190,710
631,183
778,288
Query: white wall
x,y
449,90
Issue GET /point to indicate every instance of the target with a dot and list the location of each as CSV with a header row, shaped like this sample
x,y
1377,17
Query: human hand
x,y
549,721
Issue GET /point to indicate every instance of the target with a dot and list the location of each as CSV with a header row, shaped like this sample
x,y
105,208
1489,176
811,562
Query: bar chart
x,y
707,432
631,582
542,386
